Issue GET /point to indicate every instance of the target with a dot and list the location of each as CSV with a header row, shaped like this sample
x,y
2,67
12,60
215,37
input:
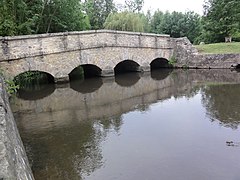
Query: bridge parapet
x,y
18,47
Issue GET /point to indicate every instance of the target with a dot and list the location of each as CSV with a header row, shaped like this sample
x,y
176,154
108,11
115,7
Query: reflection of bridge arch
x,y
44,91
127,79
162,74
86,86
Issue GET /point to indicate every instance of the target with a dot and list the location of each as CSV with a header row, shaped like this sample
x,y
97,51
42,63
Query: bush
x,y
236,37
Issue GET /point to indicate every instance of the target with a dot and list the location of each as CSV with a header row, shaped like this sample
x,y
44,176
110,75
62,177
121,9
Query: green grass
x,y
219,48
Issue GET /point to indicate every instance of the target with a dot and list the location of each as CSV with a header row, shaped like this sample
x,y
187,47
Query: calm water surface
x,y
168,125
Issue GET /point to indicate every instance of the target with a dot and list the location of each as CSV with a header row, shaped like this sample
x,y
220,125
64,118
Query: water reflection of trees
x,y
223,103
72,152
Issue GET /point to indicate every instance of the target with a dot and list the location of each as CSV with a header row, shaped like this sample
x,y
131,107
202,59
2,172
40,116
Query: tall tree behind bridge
x,y
134,5
13,17
221,19
60,16
19,17
126,21
177,24
98,11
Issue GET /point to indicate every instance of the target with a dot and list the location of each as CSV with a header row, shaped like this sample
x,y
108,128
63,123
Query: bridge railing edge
x,y
33,36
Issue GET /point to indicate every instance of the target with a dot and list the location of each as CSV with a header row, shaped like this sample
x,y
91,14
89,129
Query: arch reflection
x,y
128,79
160,74
36,92
85,86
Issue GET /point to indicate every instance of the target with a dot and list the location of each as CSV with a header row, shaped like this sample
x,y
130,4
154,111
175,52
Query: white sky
x,y
172,5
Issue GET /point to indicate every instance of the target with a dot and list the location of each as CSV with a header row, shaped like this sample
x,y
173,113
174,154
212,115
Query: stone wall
x,y
187,56
215,61
13,160
184,51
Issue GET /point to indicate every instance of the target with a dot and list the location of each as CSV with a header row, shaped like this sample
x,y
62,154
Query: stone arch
x,y
238,68
127,66
29,74
160,63
87,70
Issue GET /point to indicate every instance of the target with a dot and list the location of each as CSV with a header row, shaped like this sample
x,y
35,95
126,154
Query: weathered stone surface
x,y
13,160
215,61
58,54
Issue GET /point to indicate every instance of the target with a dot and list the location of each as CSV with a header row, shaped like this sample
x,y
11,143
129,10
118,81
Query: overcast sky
x,y
172,5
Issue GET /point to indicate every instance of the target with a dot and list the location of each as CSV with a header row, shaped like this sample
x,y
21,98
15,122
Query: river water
x,y
167,125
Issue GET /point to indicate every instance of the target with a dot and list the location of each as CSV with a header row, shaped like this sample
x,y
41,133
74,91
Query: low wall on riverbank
x,y
188,56
216,61
13,160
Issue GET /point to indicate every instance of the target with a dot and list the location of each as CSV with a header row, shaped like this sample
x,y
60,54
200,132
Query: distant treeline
x,y
19,17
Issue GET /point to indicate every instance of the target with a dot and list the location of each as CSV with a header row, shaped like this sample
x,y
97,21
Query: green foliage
x,y
221,19
12,87
20,17
236,36
59,16
177,24
30,78
97,11
134,5
126,21
172,61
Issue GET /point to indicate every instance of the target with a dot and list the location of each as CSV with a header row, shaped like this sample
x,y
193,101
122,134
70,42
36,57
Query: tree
x,y
221,19
13,18
98,11
156,22
60,16
19,17
126,21
177,24
134,5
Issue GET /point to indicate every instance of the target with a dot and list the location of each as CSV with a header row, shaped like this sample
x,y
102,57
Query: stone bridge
x,y
102,52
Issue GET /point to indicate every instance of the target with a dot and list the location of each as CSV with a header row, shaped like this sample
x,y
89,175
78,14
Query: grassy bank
x,y
219,48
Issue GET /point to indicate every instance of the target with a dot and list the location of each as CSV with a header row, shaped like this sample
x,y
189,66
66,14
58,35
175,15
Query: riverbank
x,y
219,48
13,160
